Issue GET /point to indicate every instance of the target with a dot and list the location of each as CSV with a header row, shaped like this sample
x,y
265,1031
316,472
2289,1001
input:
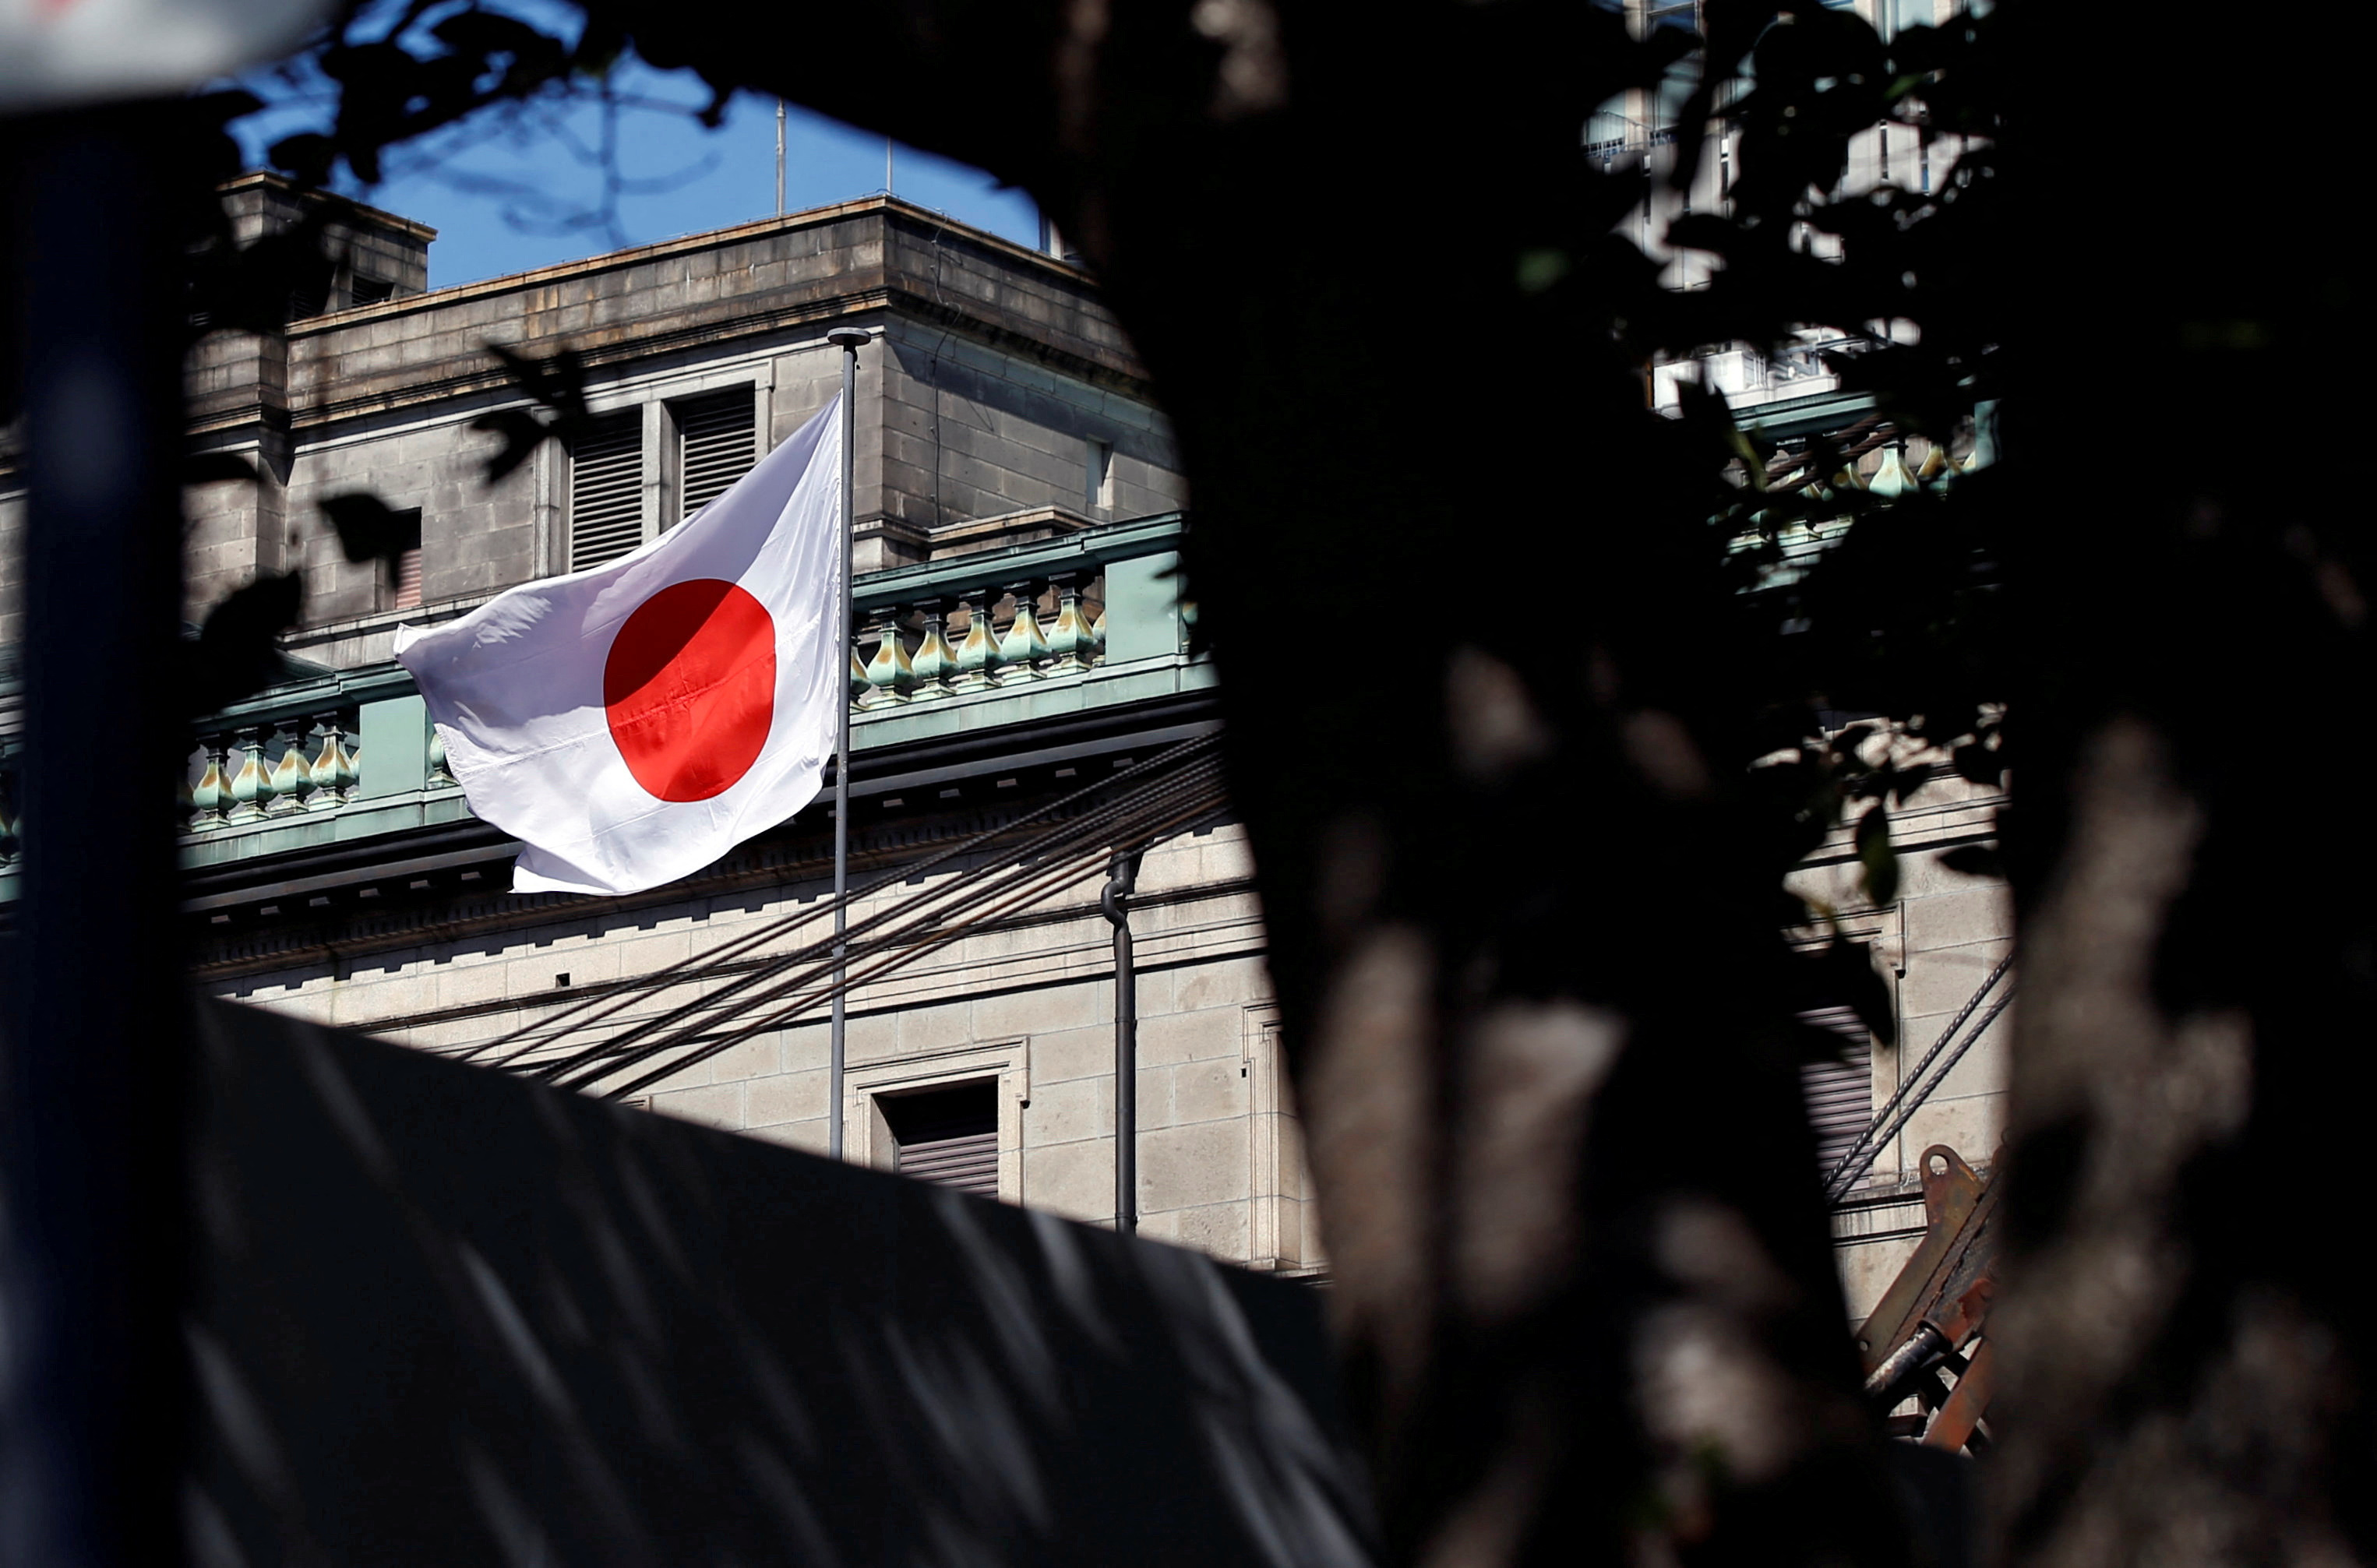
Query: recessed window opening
x,y
365,291
1099,489
948,1136
715,446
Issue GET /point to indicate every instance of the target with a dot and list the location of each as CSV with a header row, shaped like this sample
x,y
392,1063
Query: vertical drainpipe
x,y
1122,877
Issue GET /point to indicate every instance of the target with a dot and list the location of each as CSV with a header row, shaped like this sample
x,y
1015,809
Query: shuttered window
x,y
714,447
947,1135
406,594
400,569
606,481
1840,1094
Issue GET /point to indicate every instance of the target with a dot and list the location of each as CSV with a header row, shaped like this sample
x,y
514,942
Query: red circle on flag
x,y
689,688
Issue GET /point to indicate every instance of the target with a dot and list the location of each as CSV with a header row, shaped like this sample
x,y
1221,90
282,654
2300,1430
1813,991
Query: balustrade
x,y
926,651
931,632
290,766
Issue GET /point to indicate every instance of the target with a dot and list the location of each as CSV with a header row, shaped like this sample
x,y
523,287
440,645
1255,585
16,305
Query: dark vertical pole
x,y
846,339
91,1432
1115,902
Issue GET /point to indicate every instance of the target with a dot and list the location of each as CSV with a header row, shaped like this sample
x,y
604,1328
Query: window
x,y
399,572
1099,491
948,1136
606,484
714,447
1840,1094
361,290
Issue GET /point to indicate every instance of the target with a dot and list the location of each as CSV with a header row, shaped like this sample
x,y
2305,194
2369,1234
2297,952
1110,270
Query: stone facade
x,y
1012,469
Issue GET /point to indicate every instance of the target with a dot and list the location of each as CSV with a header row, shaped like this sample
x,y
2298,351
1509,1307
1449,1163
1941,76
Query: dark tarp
x,y
443,1316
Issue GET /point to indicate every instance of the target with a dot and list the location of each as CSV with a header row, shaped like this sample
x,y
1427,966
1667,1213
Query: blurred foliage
x,y
369,528
555,387
1730,652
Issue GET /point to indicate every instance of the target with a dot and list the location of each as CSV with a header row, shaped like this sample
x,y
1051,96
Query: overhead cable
x,y
1088,866
926,929
1913,1090
908,915
594,1008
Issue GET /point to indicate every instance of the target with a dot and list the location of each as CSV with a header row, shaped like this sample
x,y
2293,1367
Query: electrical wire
x,y
894,960
613,1001
1907,1113
1192,763
924,910
609,1002
921,934
1882,1128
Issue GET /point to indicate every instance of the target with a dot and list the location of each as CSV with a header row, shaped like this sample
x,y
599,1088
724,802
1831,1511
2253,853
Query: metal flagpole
x,y
780,158
1122,879
846,339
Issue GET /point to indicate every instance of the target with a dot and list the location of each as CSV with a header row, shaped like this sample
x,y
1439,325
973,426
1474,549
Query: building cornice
x,y
468,849
689,244
494,382
265,179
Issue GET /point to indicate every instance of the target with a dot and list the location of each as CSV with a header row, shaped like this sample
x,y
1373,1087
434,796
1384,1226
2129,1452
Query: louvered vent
x,y
607,474
714,447
406,586
948,1136
1840,1094
400,569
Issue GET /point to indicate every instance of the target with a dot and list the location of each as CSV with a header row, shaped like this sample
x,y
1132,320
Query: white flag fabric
x,y
631,723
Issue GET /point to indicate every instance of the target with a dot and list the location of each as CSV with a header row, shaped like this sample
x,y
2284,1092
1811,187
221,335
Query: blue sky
x,y
529,189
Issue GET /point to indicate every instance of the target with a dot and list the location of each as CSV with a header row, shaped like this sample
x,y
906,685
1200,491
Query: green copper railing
x,y
1003,636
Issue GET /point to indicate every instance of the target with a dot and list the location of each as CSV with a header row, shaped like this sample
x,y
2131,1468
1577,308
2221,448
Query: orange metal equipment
x,y
1932,1319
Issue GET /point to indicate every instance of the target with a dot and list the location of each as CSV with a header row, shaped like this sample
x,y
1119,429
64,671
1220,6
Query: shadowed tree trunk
x,y
1474,676
2186,1328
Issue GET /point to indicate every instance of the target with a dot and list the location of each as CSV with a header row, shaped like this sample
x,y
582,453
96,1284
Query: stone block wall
x,y
1936,944
995,372
971,432
1027,1003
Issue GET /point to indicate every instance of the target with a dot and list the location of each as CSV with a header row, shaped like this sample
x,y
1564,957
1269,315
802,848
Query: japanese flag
x,y
631,723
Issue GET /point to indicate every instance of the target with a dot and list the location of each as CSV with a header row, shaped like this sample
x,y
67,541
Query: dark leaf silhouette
x,y
1974,859
1978,765
217,468
557,383
1878,855
305,158
238,652
367,527
258,287
522,433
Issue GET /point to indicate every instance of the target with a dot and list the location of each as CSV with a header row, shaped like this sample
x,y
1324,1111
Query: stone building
x,y
1020,640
